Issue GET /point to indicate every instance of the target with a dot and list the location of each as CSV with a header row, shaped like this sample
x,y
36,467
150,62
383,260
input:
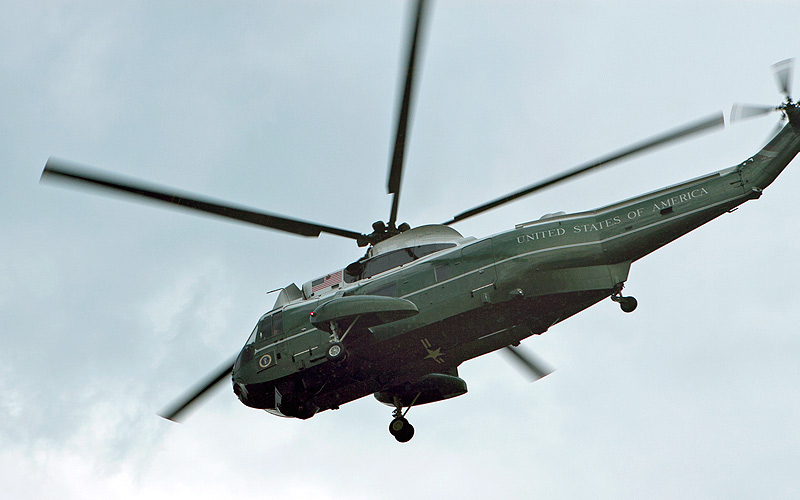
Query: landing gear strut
x,y
336,351
399,427
627,304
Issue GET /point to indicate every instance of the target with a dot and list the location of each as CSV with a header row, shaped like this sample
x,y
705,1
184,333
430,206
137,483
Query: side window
x,y
376,265
442,272
264,328
385,262
277,324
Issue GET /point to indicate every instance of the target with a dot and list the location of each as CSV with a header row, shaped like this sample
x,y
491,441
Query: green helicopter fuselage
x,y
434,299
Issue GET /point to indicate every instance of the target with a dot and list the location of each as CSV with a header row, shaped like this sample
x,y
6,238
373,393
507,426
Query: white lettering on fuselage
x,y
597,226
678,199
540,235
613,220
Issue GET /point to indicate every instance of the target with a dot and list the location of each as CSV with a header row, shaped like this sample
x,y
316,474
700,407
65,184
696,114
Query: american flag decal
x,y
326,282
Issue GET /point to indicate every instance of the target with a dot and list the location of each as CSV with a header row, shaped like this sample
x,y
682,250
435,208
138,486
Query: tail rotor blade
x,y
741,111
528,362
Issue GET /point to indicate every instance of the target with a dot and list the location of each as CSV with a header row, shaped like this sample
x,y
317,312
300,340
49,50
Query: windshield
x,y
252,337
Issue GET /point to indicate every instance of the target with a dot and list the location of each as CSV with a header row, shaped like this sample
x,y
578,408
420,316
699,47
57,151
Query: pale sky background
x,y
111,309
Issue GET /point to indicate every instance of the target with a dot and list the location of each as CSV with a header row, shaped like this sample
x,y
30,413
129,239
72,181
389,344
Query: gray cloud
x,y
111,309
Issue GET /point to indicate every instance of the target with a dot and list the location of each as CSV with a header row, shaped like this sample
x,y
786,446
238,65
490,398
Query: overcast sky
x,y
110,309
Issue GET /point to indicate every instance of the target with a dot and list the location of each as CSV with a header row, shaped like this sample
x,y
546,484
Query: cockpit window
x,y
277,324
252,338
397,258
270,326
265,328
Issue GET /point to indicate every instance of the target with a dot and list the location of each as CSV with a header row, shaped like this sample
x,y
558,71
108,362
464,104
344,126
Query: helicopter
x,y
399,321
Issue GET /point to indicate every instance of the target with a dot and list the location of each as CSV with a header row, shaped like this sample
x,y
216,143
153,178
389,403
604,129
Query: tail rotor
x,y
783,72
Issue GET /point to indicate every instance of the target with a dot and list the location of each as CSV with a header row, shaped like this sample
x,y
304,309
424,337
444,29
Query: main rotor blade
x,y
194,395
57,170
714,121
530,363
398,156
783,75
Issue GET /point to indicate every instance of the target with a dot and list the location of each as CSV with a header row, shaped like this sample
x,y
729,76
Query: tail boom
x,y
629,230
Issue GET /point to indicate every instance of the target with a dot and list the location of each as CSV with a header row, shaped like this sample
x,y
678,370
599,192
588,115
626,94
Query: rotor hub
x,y
381,231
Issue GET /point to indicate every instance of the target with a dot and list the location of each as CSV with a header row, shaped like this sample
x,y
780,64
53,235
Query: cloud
x,y
111,309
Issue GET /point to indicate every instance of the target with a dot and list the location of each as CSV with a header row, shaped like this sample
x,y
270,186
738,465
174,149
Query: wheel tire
x,y
397,426
336,352
406,434
628,304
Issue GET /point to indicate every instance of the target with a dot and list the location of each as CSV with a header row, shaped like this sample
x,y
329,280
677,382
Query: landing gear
x,y
627,304
399,427
336,352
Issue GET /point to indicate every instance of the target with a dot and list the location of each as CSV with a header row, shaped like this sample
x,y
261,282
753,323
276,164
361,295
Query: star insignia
x,y
434,354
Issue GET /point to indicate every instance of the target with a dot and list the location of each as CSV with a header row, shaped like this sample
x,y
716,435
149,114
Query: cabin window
x,y
442,272
387,261
397,258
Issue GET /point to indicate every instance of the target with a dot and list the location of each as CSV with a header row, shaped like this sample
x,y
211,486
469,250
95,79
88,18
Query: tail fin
x,y
760,170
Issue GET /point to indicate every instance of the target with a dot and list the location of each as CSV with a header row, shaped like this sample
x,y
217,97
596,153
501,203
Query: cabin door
x,y
477,261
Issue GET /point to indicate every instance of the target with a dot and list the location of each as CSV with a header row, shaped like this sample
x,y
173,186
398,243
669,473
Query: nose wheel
x,y
336,352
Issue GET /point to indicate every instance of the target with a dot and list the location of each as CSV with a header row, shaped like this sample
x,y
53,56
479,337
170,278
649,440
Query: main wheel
x,y
336,352
406,434
401,430
397,425
628,304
